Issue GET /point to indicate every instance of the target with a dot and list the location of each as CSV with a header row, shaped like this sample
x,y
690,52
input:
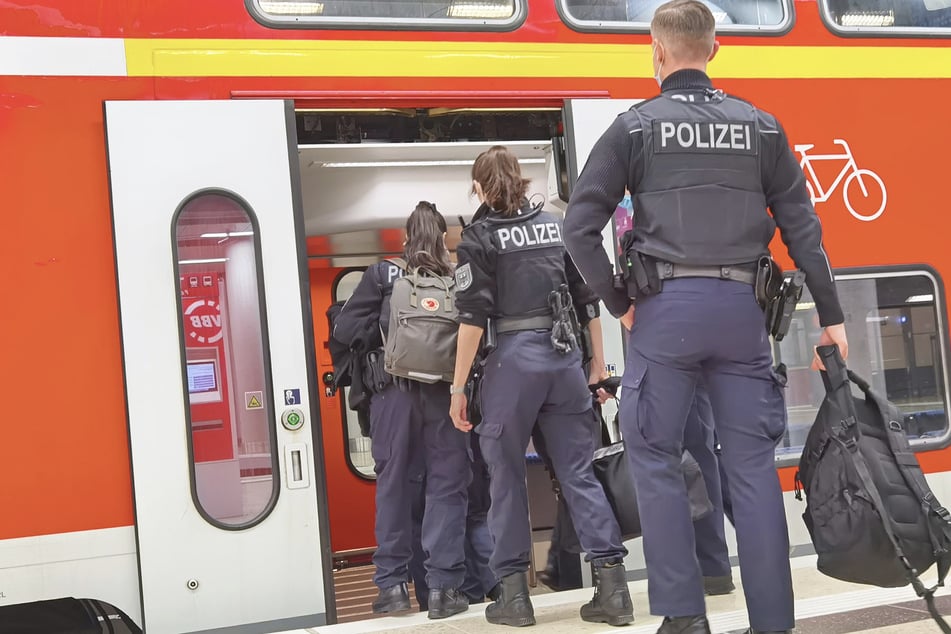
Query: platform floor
x,y
823,606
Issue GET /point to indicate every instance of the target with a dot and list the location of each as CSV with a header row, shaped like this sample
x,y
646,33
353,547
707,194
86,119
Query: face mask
x,y
657,74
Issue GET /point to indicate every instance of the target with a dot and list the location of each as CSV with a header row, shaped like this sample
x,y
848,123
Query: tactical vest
x,y
530,262
700,198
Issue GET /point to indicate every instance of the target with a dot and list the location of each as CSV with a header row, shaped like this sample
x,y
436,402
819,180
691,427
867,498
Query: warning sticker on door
x,y
253,400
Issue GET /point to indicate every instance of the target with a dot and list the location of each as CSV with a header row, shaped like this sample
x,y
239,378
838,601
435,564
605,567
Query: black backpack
x,y
870,512
348,363
340,352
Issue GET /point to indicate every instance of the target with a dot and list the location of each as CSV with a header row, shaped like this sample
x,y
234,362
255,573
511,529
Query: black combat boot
x,y
443,603
513,607
685,625
718,585
612,600
392,599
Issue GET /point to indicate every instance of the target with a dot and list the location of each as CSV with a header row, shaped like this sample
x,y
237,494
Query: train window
x,y
390,14
226,369
358,445
888,16
897,342
635,15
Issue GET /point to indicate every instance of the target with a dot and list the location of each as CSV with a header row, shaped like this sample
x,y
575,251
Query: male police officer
x,y
703,168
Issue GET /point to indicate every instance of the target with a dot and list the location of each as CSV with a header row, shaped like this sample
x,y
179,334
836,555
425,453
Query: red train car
x,y
189,186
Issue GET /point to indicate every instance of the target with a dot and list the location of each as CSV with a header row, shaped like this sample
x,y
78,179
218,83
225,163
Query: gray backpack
x,y
421,343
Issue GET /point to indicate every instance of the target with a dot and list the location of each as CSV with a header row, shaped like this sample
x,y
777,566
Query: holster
x,y
769,280
474,384
375,376
779,312
644,278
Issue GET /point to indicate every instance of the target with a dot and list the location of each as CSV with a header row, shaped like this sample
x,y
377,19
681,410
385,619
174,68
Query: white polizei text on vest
x,y
530,235
718,136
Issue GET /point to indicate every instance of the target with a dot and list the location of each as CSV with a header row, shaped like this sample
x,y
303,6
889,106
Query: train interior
x,y
362,173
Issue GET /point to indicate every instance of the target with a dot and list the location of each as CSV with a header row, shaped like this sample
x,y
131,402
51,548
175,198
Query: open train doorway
x,y
362,173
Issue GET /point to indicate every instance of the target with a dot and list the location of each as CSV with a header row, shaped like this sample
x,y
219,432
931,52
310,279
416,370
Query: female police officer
x,y
406,416
512,264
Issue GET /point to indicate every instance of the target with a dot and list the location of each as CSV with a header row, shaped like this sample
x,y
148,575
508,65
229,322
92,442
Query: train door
x,y
585,121
230,510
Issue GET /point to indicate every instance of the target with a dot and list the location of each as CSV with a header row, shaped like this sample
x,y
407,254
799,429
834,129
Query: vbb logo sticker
x,y
203,321
861,191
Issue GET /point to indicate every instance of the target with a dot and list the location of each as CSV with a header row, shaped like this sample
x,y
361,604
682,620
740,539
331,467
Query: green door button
x,y
292,419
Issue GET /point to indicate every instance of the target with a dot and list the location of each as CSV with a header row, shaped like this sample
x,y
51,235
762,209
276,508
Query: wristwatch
x,y
457,390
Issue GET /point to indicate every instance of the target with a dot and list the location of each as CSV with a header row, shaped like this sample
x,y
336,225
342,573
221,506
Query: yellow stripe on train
x,y
348,58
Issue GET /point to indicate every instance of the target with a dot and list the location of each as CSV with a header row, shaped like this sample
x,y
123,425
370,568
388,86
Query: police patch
x,y
464,277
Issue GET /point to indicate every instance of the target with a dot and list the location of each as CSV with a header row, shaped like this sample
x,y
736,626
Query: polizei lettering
x,y
528,236
726,137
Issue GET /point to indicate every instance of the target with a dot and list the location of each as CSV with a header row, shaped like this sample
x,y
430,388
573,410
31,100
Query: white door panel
x,y
251,552
585,122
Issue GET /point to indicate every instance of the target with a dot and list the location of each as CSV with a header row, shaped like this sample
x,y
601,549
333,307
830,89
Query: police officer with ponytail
x,y
513,272
703,168
410,432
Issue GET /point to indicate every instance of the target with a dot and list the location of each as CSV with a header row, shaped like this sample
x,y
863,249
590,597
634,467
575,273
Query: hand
x,y
458,411
628,319
831,335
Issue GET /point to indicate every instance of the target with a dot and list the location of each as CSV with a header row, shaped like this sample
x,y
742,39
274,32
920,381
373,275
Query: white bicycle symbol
x,y
855,175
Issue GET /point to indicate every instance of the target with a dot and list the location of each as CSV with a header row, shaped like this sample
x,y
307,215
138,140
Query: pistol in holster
x,y
639,275
768,281
565,328
780,311
476,374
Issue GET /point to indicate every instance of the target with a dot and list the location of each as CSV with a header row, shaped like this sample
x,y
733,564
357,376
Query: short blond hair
x,y
687,27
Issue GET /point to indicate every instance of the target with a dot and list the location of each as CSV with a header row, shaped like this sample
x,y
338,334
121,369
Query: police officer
x,y
405,416
511,265
703,168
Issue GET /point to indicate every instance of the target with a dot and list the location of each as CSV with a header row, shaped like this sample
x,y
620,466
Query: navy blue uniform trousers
x,y
402,422
526,381
712,551
713,331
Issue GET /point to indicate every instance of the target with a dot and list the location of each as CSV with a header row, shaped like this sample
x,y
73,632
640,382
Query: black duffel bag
x,y
610,468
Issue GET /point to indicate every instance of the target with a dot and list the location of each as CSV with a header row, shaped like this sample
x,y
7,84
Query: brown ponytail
x,y
498,173
425,246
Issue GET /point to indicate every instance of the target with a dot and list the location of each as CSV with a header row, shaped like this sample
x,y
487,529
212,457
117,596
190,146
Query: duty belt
x,y
513,324
745,273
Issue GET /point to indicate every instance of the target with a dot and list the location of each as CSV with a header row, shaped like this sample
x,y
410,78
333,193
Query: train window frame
x,y
788,459
879,32
389,24
341,393
616,26
266,354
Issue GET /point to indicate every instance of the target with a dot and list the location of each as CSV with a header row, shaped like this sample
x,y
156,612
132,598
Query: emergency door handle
x,y
296,466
